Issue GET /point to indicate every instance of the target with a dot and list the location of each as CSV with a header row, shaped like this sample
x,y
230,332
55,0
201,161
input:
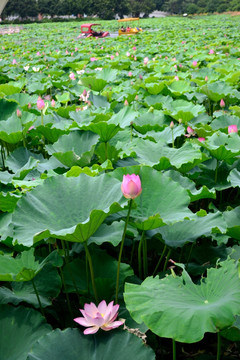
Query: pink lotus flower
x,y
38,53
194,63
211,51
201,139
134,48
131,186
145,60
222,103
93,59
171,124
101,316
40,103
112,57
126,102
128,53
117,53
130,73
19,114
14,61
53,103
206,78
176,78
232,129
190,132
72,76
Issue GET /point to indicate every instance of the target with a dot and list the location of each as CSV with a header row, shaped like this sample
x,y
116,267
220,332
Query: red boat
x,y
86,30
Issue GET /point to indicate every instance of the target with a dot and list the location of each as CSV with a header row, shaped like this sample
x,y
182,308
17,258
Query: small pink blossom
x,y
190,132
194,63
99,317
40,103
72,76
131,186
134,48
31,128
211,51
206,78
232,129
222,103
93,59
145,60
67,52
176,78
112,57
53,103
19,114
117,53
171,124
126,103
14,61
130,73
38,53
128,53
201,139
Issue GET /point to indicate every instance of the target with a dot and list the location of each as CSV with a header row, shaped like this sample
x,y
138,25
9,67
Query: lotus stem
x,y
121,249
140,255
42,118
145,263
159,261
106,150
174,349
219,344
216,172
172,139
91,271
166,261
38,298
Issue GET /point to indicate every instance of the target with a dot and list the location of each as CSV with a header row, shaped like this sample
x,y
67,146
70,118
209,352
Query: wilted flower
x,y
222,103
101,316
40,103
131,186
232,129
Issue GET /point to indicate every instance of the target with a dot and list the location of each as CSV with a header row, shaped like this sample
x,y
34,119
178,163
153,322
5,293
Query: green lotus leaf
x,y
20,328
23,99
124,117
19,159
150,121
22,268
108,233
233,332
7,89
93,83
117,345
151,211
155,88
8,201
222,146
67,208
180,233
234,178
74,149
11,130
105,130
99,101
64,98
232,220
108,74
180,87
7,109
47,282
174,307
222,122
217,90
182,109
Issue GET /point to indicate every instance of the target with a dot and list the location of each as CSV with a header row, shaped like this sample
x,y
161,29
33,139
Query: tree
x,y
142,6
173,6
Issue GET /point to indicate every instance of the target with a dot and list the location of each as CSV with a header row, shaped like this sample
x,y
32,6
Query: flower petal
x,y
91,330
82,321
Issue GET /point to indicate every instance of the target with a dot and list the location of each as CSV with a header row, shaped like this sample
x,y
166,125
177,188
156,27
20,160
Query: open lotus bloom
x,y
232,129
102,316
131,186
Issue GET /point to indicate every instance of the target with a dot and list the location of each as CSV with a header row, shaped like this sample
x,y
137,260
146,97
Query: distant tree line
x,y
106,9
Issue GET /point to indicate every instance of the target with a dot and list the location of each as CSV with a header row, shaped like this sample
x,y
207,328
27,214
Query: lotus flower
x,y
201,139
19,114
211,51
232,129
101,316
53,103
145,60
131,186
222,103
194,63
40,103
72,76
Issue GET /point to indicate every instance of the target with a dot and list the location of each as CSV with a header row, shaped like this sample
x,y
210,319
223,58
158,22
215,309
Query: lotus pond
x,y
119,192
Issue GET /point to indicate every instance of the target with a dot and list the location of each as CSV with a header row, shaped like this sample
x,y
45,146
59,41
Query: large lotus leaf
x,y
99,101
75,148
174,307
105,272
222,146
150,121
124,117
105,130
233,333
155,88
67,208
107,74
23,99
20,328
217,90
180,233
234,178
222,122
71,344
108,233
6,89
232,219
8,201
22,268
190,186
156,206
93,83
19,158
48,284
180,87
165,136
7,109
149,153
11,130
182,109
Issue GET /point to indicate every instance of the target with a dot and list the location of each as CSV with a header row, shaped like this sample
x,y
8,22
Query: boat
x,y
88,31
129,30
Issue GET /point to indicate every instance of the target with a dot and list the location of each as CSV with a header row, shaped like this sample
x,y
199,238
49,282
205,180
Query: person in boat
x,y
128,28
123,29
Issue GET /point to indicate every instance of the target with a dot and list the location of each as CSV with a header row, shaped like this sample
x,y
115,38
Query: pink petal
x,y
82,321
91,309
102,307
112,325
91,330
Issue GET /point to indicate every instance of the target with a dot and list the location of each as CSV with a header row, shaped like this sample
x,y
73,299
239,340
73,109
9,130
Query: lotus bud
x,y
19,114
171,124
222,103
53,103
206,78
126,103
201,139
131,186
40,103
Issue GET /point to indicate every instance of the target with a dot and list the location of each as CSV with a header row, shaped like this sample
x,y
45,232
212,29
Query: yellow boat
x,y
129,30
